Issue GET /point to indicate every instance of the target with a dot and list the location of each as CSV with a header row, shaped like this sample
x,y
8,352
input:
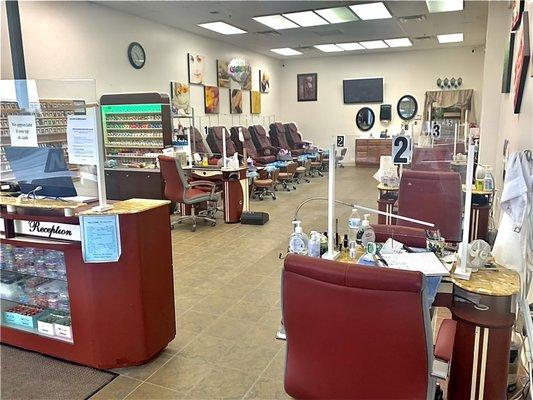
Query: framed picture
x,y
255,102
246,82
181,97
307,87
235,101
508,64
518,9
211,99
223,78
196,68
264,81
522,61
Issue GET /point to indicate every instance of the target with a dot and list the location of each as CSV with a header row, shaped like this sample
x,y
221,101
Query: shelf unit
x,y
136,128
35,280
51,122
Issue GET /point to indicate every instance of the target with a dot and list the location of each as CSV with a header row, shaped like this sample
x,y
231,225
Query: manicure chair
x,y
260,156
287,178
360,333
432,196
178,189
262,187
316,165
261,140
279,138
431,159
340,158
294,137
214,140
302,171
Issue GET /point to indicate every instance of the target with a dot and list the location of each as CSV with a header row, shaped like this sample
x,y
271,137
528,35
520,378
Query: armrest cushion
x,y
202,183
445,340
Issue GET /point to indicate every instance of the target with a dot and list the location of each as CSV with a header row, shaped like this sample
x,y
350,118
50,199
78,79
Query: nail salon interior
x,y
266,200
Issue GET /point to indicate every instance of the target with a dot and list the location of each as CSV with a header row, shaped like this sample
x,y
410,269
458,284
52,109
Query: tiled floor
x,y
227,285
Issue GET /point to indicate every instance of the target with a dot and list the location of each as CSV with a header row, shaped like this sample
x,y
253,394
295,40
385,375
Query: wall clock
x,y
136,55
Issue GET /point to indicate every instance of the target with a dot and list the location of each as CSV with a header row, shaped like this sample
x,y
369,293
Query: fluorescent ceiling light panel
x,y
306,18
371,11
328,48
374,44
400,42
350,46
277,22
337,15
222,27
286,51
450,38
436,6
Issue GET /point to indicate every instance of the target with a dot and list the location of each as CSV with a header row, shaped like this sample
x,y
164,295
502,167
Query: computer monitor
x,y
41,166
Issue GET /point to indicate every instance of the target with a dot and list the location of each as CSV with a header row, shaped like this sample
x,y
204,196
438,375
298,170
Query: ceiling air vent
x,y
333,32
423,38
304,48
412,18
269,33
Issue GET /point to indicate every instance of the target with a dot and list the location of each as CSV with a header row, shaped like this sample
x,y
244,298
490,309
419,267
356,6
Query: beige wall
x,y
405,72
498,121
84,40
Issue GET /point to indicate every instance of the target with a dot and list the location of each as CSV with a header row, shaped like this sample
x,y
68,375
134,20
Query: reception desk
x,y
104,315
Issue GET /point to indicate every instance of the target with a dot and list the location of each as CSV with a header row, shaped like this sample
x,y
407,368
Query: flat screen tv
x,y
368,90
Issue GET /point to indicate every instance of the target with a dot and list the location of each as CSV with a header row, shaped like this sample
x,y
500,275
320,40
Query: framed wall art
x,y
223,78
181,97
255,102
235,100
264,81
196,68
508,64
307,87
521,65
211,99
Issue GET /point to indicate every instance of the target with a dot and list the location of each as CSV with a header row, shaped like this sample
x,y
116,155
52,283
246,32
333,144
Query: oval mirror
x,y
407,107
365,119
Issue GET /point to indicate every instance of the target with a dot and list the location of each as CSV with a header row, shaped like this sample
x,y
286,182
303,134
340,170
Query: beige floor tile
x,y
246,279
206,348
276,369
229,328
214,304
249,358
263,336
247,311
267,389
181,374
195,321
182,339
262,297
142,372
223,383
148,391
272,316
119,388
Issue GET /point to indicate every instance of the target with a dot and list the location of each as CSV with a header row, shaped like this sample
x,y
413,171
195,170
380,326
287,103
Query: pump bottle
x,y
298,239
366,234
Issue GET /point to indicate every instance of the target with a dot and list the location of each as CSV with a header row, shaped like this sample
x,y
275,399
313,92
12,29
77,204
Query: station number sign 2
x,y
401,149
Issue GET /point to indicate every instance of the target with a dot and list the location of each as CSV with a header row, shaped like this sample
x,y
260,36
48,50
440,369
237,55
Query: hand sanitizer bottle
x,y
366,233
314,244
488,180
298,240
354,223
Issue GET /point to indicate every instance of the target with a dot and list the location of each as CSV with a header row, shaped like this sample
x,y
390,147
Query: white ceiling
x,y
185,15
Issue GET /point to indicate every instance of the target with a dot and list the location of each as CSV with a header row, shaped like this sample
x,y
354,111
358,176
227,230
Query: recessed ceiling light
x,y
277,22
306,18
328,48
337,15
400,42
286,51
222,27
371,11
450,38
374,44
350,46
435,6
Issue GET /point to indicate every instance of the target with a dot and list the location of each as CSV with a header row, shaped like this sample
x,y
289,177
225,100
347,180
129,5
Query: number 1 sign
x,y
401,149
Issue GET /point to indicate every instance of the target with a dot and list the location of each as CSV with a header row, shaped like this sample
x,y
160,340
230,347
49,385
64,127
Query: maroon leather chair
x,y
294,137
197,141
261,139
214,140
180,190
359,332
432,196
279,138
431,159
259,156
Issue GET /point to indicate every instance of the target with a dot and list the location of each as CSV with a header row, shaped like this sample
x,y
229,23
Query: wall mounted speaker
x,y
385,113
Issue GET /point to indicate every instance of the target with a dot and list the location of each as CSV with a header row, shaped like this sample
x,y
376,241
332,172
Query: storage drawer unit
x,y
369,151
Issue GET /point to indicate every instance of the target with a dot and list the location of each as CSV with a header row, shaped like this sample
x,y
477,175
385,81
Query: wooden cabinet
x,y
369,151
123,184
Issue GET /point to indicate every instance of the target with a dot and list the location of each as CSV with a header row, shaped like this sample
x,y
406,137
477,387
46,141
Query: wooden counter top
x,y
131,206
381,186
499,281
475,191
